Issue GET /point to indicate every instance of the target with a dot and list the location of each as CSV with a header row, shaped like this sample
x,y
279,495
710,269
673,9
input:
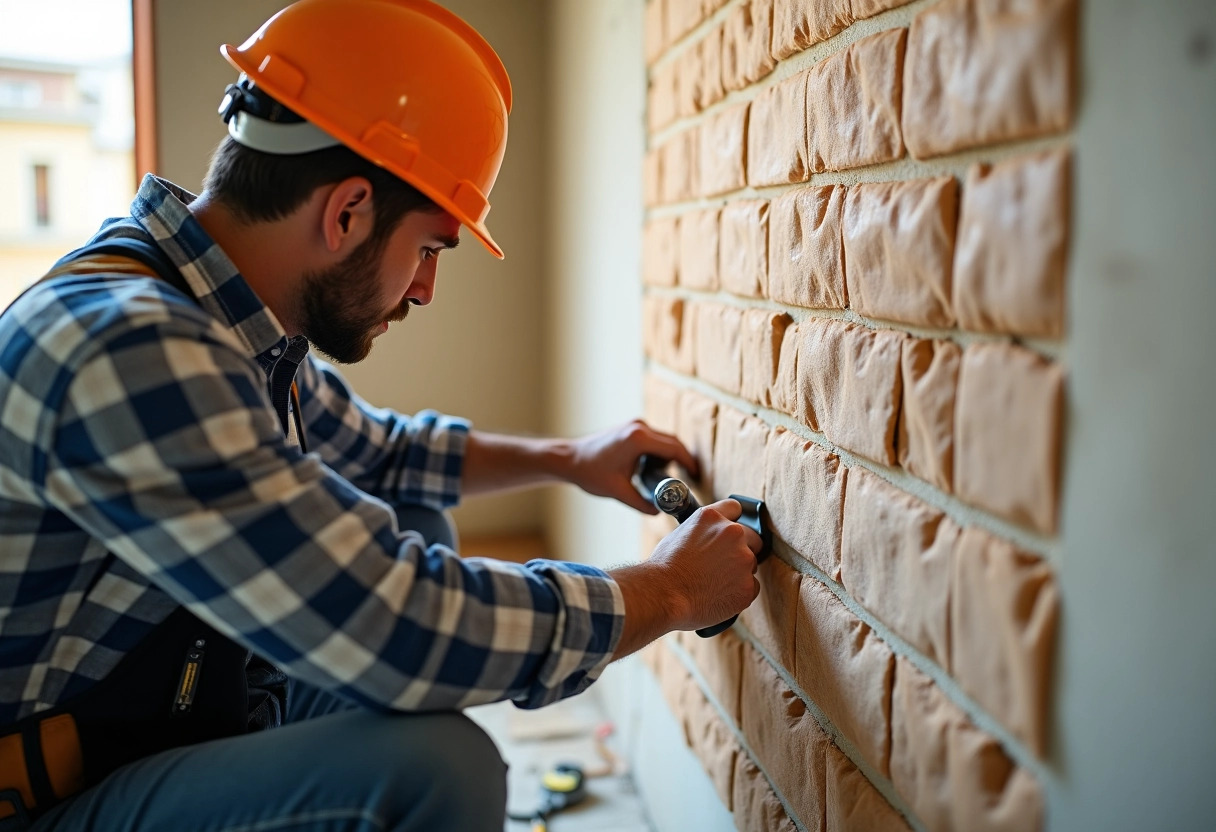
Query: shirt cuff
x,y
589,624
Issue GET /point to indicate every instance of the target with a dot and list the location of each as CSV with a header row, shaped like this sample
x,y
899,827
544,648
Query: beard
x,y
339,312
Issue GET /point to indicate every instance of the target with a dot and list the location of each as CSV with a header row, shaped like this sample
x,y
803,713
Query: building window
x,y
42,195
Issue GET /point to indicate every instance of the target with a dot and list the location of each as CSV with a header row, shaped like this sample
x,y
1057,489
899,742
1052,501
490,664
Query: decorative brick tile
x,y
763,333
662,96
868,8
776,134
852,803
698,245
721,153
805,250
926,424
983,71
674,682
1004,608
895,560
696,428
660,252
1012,246
743,248
771,618
667,331
654,39
720,660
679,166
660,403
710,49
739,454
714,744
899,250
680,18
848,377
719,349
652,178
853,104
755,806
804,485
846,670
1007,451
689,79
798,24
785,738
785,388
746,57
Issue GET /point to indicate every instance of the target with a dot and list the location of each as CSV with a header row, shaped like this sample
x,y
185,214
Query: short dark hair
x,y
261,187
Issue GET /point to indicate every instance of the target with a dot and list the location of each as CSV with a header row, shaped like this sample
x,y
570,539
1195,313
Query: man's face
x,y
344,307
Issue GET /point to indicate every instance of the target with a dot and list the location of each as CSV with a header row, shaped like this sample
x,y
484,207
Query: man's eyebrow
x,y
448,242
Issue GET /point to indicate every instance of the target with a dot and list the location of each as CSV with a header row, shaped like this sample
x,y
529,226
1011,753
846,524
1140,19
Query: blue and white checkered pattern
x,y
143,467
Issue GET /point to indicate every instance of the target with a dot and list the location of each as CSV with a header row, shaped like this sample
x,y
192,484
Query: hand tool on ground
x,y
672,496
562,786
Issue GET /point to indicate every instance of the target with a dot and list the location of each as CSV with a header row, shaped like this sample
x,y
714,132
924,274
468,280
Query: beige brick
x,y
756,808
771,618
681,17
1007,448
929,370
719,358
663,96
848,377
868,8
1004,608
954,777
895,560
899,250
804,486
654,39
785,388
805,251
652,178
714,744
698,236
708,7
668,331
1012,247
852,803
846,670
710,49
679,166
660,403
660,252
786,739
763,332
798,24
853,103
739,454
687,69
674,681
721,152
743,247
776,134
696,428
720,660
746,57
987,71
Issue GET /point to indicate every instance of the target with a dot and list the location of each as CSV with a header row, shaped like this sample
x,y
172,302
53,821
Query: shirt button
x,y
275,351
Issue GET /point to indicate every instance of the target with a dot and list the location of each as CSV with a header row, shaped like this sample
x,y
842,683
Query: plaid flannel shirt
x,y
143,466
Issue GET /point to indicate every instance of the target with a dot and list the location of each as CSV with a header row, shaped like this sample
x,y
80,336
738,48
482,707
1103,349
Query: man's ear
x,y
348,216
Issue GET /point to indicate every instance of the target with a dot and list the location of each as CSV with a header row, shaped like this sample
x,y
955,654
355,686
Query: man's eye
x,y
429,253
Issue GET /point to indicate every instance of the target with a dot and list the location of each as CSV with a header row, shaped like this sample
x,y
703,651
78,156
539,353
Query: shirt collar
x,y
160,207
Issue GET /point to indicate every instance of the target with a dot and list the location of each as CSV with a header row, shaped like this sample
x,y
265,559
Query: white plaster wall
x,y
1136,691
476,351
596,135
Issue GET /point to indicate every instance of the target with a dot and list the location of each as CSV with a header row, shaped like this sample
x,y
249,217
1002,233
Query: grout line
x,y
691,666
904,169
1046,347
944,681
891,19
951,506
883,784
690,39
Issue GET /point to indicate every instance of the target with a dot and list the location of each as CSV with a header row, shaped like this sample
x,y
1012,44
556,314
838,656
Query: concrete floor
x,y
532,741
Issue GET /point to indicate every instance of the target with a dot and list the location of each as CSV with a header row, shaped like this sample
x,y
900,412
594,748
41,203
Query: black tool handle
x,y
673,497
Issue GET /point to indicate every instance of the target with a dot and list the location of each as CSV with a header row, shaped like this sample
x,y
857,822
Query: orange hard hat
x,y
404,83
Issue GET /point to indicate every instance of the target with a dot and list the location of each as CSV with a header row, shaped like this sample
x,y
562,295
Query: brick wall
x,y
853,267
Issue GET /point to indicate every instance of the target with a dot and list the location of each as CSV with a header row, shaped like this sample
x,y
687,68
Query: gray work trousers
x,y
332,766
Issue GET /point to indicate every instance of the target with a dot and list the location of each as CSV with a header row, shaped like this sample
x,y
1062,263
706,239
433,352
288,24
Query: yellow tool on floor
x,y
562,786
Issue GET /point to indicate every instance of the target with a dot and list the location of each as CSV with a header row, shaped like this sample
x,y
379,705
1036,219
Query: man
x,y
197,530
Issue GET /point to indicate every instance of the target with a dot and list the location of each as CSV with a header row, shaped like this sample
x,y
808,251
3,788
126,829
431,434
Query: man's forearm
x,y
496,462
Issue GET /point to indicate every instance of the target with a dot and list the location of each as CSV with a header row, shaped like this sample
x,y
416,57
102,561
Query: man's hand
x,y
699,575
603,463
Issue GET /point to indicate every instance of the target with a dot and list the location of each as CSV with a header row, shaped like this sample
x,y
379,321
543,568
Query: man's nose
x,y
422,290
